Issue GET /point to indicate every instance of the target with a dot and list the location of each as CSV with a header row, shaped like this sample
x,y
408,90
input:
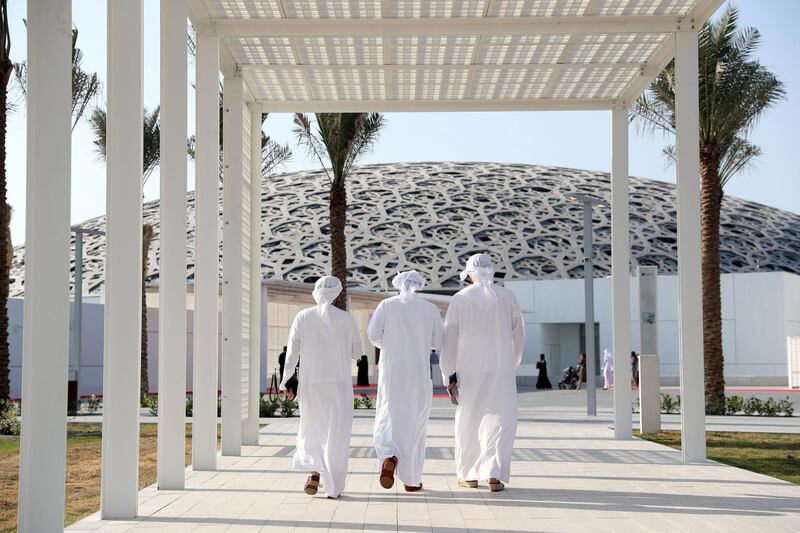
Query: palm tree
x,y
5,210
342,139
151,140
273,155
85,87
735,90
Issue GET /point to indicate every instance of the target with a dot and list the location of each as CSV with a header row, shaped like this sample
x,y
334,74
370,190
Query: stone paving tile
x,y
568,475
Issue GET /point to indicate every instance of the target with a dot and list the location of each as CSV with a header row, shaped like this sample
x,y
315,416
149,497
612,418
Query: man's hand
x,y
290,395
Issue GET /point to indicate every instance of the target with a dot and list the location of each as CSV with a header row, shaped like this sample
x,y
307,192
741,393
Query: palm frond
x,y
98,124
85,85
151,138
151,142
307,139
670,154
368,129
739,155
273,156
735,90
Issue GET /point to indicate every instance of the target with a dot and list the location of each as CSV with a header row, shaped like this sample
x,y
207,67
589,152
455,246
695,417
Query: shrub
x,y
219,407
368,402
667,404
9,424
752,406
288,407
268,406
93,404
356,403
189,405
785,407
769,408
151,402
733,405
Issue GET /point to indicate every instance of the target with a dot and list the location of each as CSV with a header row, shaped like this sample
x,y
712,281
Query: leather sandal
x,y
468,484
387,472
312,485
495,485
412,488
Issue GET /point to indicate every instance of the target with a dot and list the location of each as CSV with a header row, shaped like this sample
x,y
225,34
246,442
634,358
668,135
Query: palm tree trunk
x,y
147,238
5,236
710,203
338,218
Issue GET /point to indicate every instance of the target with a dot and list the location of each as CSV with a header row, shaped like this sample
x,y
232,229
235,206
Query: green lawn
x,y
83,471
771,454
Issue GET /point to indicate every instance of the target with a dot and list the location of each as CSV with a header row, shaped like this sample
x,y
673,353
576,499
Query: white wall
x,y
759,311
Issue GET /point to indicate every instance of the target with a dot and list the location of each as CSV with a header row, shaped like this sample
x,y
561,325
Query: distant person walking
x,y
327,338
484,335
634,371
363,372
406,328
282,362
542,382
608,370
581,371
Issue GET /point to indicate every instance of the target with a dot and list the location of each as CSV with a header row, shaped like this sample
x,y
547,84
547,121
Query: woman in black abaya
x,y
543,382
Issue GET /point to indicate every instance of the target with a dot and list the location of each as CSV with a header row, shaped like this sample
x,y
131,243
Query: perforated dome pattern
x,y
432,216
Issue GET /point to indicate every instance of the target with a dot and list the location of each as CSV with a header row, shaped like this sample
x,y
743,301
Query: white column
x,y
123,289
250,428
233,131
690,307
172,280
206,268
620,274
45,343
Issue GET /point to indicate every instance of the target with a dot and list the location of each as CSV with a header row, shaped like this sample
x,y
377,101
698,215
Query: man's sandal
x,y
468,484
312,484
387,472
412,488
495,485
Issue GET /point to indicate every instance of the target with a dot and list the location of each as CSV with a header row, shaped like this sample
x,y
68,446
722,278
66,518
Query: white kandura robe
x,y
406,332
608,370
325,392
483,342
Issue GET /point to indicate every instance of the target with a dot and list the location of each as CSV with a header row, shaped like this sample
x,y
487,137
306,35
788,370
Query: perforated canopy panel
x,y
386,55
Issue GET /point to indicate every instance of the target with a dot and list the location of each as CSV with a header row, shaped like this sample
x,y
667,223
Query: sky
x,y
571,139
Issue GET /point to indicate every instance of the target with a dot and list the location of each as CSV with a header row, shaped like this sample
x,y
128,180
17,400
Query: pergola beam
x,y
248,67
483,26
666,52
411,106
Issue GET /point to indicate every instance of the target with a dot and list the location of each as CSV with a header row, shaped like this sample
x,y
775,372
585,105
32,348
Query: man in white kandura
x,y
405,328
484,335
327,339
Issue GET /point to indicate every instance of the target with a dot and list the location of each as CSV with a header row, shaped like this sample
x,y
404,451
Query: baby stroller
x,y
569,379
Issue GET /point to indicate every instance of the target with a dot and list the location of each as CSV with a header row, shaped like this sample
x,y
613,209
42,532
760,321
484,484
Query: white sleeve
x,y
357,349
448,360
375,328
517,332
438,334
292,352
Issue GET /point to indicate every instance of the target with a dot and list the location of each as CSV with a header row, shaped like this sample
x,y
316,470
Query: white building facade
x,y
760,311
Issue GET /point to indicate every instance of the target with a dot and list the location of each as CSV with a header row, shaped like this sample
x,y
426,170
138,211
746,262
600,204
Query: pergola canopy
x,y
446,55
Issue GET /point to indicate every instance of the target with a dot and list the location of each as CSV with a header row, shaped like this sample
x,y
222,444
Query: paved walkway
x,y
569,474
